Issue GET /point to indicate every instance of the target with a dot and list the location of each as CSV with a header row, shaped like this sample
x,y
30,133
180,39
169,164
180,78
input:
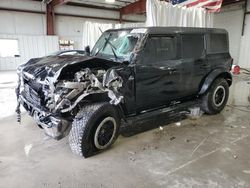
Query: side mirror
x,y
87,50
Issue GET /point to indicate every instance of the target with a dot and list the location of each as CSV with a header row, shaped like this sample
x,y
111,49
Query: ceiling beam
x,y
50,19
50,14
137,7
62,14
91,6
230,2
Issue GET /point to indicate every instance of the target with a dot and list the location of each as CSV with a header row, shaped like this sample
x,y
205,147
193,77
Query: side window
x,y
218,43
192,46
159,48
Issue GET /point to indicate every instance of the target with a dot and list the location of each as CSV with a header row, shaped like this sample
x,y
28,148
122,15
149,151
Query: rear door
x,y
158,72
194,63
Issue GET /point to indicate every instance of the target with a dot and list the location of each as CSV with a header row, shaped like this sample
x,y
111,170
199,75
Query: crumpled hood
x,y
52,65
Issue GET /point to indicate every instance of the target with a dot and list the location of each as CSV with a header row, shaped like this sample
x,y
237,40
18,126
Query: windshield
x,y
116,44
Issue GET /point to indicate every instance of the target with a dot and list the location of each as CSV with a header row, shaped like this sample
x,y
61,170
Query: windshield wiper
x,y
104,45
113,48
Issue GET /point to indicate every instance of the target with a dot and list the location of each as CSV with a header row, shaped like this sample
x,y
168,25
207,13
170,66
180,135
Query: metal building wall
x,y
29,47
32,27
231,19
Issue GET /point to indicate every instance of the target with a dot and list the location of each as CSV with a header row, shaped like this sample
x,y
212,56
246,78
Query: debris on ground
x,y
194,124
132,152
246,171
178,124
159,133
235,156
195,113
172,138
161,128
187,140
149,147
131,158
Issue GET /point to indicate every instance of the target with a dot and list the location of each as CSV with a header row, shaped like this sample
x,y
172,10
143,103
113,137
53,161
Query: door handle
x,y
170,69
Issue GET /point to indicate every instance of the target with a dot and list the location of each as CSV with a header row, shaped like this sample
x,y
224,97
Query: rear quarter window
x,y
192,45
218,43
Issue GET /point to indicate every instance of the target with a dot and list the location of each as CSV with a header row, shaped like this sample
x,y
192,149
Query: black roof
x,y
169,30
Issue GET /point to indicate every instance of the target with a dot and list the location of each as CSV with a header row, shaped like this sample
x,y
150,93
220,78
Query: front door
x,y
158,72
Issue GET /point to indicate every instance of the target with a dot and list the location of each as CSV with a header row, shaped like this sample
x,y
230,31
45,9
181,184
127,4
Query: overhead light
x,y
110,1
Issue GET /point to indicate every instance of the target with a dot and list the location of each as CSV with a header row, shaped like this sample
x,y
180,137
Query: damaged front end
x,y
53,100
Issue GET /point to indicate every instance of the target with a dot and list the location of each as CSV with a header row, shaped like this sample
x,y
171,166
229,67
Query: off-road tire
x,y
84,127
209,105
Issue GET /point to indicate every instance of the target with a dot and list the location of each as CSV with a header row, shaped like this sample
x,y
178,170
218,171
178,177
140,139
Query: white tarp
x,y
161,13
92,31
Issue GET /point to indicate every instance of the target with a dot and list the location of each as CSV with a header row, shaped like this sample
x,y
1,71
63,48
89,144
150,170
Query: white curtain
x,y
92,31
161,13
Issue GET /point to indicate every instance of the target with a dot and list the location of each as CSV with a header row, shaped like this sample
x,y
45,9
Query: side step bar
x,y
156,118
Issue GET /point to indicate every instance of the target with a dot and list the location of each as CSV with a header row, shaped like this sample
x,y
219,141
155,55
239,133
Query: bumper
x,y
54,126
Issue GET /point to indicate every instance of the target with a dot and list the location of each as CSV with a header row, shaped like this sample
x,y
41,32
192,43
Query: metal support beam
x,y
69,15
120,16
50,15
91,6
138,7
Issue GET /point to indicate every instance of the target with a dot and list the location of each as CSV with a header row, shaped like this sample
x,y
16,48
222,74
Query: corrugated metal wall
x,y
21,25
29,47
231,20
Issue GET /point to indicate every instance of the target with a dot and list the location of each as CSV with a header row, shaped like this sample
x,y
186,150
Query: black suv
x,y
130,75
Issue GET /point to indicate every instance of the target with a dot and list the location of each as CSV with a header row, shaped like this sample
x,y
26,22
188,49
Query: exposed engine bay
x,y
54,88
49,99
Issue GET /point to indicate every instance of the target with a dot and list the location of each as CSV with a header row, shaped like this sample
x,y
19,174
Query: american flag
x,y
210,5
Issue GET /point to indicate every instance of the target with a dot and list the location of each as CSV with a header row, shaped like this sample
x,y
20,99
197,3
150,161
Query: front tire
x,y
94,129
214,101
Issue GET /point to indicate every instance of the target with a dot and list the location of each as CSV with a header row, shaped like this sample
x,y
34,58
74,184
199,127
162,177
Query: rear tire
x,y
94,129
214,101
